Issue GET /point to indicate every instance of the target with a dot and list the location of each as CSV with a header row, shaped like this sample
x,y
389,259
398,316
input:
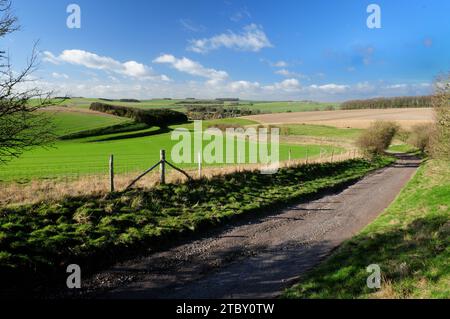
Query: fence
x,y
109,178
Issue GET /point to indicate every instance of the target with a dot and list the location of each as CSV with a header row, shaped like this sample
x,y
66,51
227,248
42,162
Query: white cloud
x,y
238,86
241,14
192,67
57,75
188,25
330,88
280,64
290,74
94,61
286,90
252,38
288,85
397,86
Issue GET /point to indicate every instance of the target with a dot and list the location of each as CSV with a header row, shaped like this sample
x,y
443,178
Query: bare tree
x,y
22,126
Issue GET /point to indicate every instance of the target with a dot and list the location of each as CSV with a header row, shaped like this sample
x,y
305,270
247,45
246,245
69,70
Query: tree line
x,y
153,117
388,103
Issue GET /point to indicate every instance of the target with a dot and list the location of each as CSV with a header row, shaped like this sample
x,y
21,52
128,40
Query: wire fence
x,y
40,183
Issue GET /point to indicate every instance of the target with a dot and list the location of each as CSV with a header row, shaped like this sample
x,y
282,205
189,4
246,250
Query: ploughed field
x,y
406,117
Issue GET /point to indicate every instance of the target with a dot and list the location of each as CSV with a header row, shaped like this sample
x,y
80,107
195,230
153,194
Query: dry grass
x,y
407,117
39,190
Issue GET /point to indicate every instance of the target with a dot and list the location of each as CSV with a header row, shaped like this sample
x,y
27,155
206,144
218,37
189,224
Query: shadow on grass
x,y
405,255
147,132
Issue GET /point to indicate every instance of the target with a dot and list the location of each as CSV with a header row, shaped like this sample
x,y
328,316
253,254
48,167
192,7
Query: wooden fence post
x,y
199,165
290,155
306,155
162,167
111,173
332,155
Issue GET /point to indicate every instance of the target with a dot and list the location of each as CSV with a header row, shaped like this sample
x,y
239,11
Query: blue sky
x,y
277,50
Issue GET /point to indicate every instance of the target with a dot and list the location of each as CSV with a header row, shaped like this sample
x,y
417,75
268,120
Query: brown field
x,y
406,117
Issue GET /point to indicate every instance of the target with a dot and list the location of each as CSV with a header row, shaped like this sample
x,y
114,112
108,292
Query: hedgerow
x,y
153,117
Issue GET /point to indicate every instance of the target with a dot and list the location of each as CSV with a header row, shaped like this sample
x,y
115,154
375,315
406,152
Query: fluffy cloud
x,y
94,61
252,38
289,85
239,86
280,64
192,67
57,75
330,88
289,89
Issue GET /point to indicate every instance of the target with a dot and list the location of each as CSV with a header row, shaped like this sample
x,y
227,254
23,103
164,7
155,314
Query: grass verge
x,y
38,241
410,242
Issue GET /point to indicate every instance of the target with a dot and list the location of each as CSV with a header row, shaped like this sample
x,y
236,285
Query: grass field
x,y
71,122
287,106
37,241
320,131
133,151
410,242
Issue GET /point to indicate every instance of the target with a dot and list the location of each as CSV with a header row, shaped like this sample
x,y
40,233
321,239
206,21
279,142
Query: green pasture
x,y
71,122
319,131
133,151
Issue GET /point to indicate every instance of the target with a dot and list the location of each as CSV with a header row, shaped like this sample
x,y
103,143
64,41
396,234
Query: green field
x,y
286,106
133,151
410,242
263,106
71,122
319,131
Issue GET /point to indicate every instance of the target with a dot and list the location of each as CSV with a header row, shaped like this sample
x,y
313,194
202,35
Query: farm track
x,y
259,257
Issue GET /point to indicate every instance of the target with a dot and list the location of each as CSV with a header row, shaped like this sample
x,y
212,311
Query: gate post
x,y
162,167
111,173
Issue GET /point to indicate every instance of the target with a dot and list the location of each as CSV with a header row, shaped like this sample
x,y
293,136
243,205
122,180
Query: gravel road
x,y
258,258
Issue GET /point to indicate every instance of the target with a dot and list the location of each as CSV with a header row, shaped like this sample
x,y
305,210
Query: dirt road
x,y
259,258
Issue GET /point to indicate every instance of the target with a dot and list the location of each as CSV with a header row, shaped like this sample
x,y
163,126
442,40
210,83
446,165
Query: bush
x,y
377,137
441,103
154,117
420,137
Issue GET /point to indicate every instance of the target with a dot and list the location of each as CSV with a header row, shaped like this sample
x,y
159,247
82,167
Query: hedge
x,y
153,117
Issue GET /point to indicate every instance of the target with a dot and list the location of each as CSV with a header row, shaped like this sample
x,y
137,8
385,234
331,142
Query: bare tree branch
x,y
22,123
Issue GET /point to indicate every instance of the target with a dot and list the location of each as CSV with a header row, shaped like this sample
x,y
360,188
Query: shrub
x,y
153,117
420,137
377,137
441,103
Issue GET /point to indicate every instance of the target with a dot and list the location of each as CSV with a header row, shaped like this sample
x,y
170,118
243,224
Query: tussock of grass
x,y
410,241
38,241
